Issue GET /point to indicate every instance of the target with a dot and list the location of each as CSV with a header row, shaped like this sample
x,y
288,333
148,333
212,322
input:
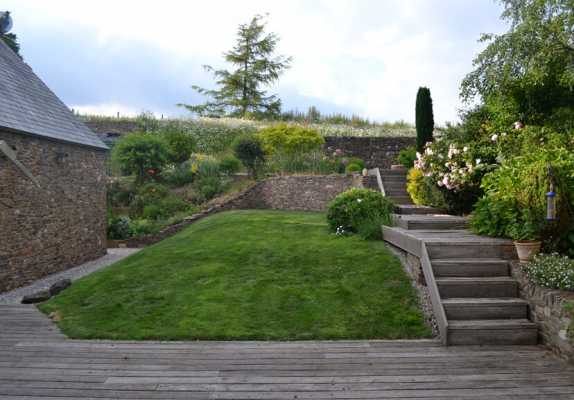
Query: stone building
x,y
52,180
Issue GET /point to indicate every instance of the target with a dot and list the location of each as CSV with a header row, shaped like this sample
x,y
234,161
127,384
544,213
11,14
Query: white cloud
x,y
368,57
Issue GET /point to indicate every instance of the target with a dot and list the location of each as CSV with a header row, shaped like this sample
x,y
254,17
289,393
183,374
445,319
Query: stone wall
x,y
547,309
55,226
378,152
299,192
302,193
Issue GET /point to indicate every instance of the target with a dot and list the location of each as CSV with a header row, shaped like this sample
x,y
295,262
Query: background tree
x,y
10,39
240,92
528,71
424,117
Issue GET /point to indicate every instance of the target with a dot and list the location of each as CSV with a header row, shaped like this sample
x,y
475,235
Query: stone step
x,y
485,308
412,209
492,332
485,248
477,287
472,267
434,222
401,199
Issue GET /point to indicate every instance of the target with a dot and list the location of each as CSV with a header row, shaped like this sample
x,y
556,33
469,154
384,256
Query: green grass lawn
x,y
247,275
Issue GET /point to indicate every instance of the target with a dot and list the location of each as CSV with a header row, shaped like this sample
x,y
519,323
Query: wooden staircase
x,y
475,299
395,186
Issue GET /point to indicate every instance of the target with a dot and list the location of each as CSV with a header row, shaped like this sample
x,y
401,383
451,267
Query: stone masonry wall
x,y
55,226
547,309
378,152
299,192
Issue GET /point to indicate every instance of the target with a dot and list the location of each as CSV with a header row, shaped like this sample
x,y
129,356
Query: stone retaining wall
x,y
58,225
378,152
547,309
302,193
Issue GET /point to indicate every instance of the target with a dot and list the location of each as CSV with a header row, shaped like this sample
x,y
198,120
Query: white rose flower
x,y
494,137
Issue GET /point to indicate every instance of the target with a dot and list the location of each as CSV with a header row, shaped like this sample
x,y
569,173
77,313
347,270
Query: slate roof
x,y
27,105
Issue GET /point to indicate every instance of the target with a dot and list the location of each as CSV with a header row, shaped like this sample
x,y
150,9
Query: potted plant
x,y
526,236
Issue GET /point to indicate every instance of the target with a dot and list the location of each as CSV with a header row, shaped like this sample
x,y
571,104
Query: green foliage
x,y
208,167
422,190
290,140
353,167
119,195
552,271
163,208
249,151
141,154
119,228
528,68
148,194
424,118
266,275
358,210
179,144
207,187
229,165
180,175
515,193
407,157
142,227
240,92
10,39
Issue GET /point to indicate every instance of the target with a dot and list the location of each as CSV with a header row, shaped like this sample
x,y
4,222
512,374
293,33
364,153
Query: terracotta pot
x,y
527,249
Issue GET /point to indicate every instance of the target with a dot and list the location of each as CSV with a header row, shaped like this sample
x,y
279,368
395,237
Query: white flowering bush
x,y
552,271
361,211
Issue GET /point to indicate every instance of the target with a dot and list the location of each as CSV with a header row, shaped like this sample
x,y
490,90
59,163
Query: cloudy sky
x,y
366,57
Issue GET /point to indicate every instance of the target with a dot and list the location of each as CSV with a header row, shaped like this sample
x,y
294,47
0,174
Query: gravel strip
x,y
15,296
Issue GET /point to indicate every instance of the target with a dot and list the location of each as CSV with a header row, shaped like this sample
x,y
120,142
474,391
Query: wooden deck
x,y
38,362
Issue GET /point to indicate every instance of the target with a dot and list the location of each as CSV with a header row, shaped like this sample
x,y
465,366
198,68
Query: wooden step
x,y
472,267
412,209
429,222
401,199
485,308
492,332
485,248
477,287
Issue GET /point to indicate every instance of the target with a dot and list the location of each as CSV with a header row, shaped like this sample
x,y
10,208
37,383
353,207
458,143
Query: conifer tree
x,y
424,118
240,91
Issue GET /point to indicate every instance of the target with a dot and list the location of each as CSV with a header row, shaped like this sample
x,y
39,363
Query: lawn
x,y
247,275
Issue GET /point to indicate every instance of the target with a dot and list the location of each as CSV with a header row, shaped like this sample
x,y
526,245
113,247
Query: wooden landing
x,y
37,362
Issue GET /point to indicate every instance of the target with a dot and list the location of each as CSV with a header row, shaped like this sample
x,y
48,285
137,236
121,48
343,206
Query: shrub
x,y
179,144
229,165
119,195
407,157
208,167
150,193
141,154
552,271
514,204
424,118
360,211
290,139
422,190
249,151
164,208
119,228
180,175
353,167
141,227
207,187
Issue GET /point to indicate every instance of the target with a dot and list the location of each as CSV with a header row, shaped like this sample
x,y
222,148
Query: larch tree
x,y
240,91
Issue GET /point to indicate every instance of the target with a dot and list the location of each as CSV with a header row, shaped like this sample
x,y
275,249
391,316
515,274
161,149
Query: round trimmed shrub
x,y
361,211
353,167
229,165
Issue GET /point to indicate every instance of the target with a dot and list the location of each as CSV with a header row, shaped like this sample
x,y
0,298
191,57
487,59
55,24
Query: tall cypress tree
x,y
424,118
240,92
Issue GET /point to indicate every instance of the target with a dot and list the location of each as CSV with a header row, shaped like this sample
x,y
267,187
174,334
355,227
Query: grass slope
x,y
247,275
